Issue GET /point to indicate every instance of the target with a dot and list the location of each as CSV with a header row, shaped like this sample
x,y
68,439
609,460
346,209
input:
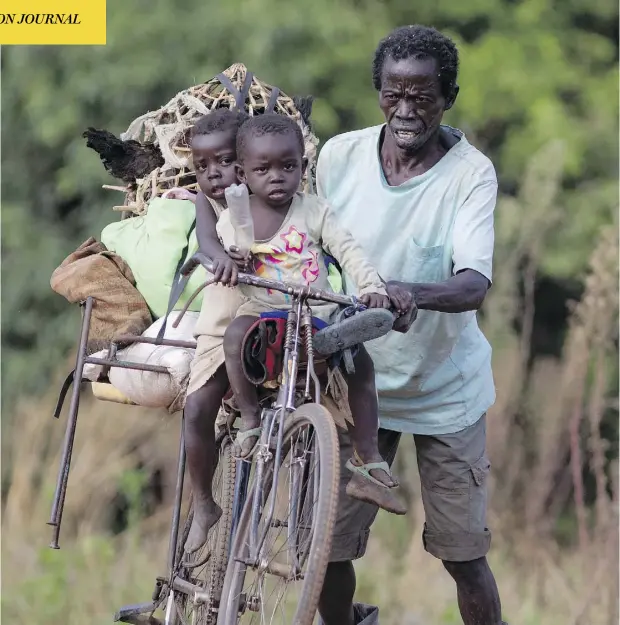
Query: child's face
x,y
272,168
214,156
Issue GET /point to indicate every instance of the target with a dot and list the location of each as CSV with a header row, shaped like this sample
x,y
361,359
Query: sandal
x,y
368,489
242,436
365,469
363,326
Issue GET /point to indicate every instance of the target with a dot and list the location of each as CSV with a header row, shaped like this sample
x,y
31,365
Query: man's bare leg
x,y
477,592
336,600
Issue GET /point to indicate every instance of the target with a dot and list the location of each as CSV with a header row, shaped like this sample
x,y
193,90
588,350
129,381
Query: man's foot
x,y
206,515
373,483
247,436
380,471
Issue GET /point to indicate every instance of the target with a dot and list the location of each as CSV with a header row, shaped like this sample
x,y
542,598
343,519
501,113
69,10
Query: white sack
x,y
158,390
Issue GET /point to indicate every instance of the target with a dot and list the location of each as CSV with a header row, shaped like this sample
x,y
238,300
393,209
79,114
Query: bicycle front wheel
x,y
278,561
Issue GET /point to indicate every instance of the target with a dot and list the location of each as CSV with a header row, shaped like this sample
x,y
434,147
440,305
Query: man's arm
x,y
472,255
460,293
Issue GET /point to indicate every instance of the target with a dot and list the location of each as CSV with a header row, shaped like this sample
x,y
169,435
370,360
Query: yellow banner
x,y
55,22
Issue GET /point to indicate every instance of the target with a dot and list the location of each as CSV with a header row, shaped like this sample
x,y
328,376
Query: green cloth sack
x,y
152,246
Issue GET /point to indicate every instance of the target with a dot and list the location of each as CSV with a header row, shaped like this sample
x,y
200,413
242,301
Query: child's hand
x,y
375,300
178,193
225,270
244,263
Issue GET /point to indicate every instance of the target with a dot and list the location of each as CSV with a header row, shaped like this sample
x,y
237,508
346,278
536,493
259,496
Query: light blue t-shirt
x,y
437,378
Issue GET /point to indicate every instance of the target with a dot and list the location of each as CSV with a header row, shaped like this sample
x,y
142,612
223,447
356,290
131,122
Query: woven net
x,y
168,128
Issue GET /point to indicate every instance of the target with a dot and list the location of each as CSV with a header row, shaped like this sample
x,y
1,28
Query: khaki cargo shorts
x,y
453,470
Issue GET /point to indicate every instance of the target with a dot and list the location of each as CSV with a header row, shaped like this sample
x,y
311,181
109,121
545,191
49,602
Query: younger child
x,y
213,145
293,232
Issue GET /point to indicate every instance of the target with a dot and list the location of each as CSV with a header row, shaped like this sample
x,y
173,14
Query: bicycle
x,y
283,523
206,588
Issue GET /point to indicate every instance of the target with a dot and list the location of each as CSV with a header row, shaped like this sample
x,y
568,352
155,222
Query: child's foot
x,y
247,436
373,483
206,515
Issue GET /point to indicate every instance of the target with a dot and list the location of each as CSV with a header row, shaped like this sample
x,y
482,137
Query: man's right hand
x,y
400,298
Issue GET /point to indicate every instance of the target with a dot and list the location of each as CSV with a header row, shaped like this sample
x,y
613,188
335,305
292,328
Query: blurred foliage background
x,y
539,95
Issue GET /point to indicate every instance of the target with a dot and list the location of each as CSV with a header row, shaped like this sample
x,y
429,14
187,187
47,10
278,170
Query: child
x,y
213,145
292,231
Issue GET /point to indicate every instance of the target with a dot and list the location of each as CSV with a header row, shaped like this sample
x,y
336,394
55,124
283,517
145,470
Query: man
x,y
420,199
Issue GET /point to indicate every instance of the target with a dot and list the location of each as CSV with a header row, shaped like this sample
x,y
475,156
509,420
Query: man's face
x,y
411,100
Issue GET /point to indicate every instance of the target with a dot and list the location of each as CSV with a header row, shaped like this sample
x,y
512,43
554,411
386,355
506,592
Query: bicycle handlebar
x,y
290,289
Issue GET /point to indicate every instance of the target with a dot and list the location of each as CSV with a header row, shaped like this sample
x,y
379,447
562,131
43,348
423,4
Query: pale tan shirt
x,y
296,253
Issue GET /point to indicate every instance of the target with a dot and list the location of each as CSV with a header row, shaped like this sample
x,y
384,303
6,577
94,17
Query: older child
x,y
292,231
214,156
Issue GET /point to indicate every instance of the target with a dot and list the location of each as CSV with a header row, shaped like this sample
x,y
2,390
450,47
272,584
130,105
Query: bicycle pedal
x,y
138,614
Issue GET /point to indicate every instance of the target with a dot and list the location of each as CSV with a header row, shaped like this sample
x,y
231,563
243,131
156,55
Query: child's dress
x,y
219,307
296,253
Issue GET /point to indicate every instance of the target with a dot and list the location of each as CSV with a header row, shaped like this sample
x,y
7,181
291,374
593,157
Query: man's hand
x,y
178,193
244,263
225,270
375,300
401,299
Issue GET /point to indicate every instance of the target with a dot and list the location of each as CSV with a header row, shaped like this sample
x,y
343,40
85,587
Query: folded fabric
x,y
94,271
154,246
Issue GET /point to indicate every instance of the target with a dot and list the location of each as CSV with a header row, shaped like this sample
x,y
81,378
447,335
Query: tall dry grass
x,y
555,552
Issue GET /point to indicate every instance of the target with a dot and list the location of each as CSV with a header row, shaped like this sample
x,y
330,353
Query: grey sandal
x,y
242,436
363,326
365,469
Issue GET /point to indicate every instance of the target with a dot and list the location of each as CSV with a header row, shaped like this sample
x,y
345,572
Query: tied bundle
x,y
154,155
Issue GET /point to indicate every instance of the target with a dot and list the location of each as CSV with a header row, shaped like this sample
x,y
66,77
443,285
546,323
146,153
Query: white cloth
x,y
437,378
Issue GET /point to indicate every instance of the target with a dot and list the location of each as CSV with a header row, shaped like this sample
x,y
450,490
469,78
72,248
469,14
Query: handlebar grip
x,y
197,259
402,324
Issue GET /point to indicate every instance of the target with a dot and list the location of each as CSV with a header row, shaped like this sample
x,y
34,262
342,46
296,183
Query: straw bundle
x,y
168,129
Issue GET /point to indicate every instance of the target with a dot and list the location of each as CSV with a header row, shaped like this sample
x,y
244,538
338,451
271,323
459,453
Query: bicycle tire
x,y
211,578
326,440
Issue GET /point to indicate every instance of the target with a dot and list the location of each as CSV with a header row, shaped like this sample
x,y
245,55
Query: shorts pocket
x,y
478,495
480,470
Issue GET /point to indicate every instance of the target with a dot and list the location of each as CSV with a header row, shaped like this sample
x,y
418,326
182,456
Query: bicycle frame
x,y
298,333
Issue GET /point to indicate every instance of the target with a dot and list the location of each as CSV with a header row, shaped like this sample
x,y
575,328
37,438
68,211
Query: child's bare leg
x,y
201,408
245,392
364,433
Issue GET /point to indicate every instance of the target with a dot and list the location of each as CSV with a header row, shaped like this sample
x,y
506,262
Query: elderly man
x,y
420,199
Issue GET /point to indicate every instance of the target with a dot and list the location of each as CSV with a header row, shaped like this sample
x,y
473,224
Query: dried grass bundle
x,y
168,129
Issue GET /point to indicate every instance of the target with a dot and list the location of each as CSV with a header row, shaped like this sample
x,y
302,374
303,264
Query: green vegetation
x,y
539,94
531,71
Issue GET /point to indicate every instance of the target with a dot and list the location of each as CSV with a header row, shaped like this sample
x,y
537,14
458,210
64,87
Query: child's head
x,y
270,151
214,153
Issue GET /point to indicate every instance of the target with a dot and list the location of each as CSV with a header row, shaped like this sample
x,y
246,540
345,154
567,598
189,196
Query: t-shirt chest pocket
x,y
423,264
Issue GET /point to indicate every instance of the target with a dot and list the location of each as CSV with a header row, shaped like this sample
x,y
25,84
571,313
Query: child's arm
x,y
224,268
339,243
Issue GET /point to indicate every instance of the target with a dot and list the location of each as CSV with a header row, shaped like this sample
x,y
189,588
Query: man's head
x,y
270,149
213,141
415,70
